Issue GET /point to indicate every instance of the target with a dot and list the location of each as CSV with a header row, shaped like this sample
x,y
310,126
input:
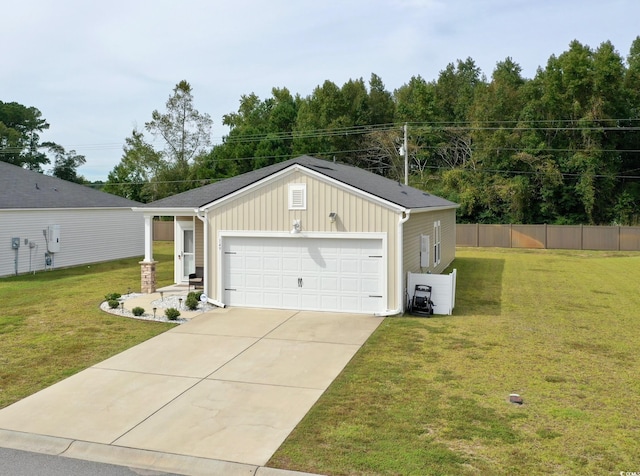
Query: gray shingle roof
x,y
394,192
25,189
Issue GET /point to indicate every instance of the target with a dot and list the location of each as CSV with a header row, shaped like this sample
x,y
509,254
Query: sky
x,y
98,69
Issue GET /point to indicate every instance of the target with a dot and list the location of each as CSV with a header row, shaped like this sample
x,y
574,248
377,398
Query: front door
x,y
186,263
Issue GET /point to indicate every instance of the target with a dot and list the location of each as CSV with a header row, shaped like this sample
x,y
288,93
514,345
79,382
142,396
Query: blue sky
x,y
96,70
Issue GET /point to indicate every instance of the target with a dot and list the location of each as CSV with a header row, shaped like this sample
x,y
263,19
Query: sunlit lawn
x,y
430,396
51,326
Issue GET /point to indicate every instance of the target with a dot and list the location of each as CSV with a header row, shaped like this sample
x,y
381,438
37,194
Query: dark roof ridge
x,y
365,181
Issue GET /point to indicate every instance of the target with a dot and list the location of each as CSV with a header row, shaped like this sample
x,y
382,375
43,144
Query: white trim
x,y
156,211
205,278
294,168
437,242
222,234
434,209
179,227
148,238
297,196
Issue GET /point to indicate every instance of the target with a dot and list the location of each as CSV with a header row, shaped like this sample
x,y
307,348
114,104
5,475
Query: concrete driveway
x,y
217,395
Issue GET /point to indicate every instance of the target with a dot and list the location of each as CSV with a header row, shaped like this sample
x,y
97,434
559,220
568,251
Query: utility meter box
x,y
53,238
15,243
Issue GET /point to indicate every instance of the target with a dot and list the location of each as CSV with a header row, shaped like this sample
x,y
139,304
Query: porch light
x,y
332,217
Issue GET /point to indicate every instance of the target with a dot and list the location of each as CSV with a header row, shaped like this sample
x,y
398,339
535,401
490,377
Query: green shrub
x,y
113,303
191,302
195,294
112,296
172,313
137,311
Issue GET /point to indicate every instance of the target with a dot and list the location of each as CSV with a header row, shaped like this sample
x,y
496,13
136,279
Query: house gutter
x,y
205,221
400,275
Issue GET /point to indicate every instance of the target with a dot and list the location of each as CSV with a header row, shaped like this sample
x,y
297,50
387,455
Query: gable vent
x,y
298,196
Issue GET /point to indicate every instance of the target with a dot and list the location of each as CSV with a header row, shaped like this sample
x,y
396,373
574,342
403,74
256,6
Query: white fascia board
x,y
166,211
434,209
297,167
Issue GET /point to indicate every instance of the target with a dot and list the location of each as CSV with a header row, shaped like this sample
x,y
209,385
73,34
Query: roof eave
x,y
434,209
168,211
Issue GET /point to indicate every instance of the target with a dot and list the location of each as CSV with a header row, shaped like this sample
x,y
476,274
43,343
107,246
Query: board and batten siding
x,y
266,208
86,236
422,224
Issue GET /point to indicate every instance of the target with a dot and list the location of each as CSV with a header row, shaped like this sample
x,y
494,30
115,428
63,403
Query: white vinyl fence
x,y
443,290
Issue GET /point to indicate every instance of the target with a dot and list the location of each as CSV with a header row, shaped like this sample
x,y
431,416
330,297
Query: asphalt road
x,y
24,463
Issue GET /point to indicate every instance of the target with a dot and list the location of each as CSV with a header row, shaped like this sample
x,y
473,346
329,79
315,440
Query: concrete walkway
x,y
217,395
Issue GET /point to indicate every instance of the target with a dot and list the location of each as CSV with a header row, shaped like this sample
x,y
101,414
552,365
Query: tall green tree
x,y
185,131
260,131
66,164
134,177
20,129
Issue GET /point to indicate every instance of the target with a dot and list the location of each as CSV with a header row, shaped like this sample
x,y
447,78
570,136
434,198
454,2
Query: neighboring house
x,y
46,223
306,234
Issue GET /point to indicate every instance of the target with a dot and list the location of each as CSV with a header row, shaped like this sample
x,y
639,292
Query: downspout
x,y
205,224
400,274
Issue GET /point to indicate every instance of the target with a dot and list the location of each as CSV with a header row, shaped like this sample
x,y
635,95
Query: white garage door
x,y
344,275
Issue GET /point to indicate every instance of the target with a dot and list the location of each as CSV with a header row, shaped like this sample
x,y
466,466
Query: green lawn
x,y
430,396
423,396
51,326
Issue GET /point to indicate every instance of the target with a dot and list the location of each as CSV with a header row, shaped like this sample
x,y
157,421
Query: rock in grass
x,y
515,398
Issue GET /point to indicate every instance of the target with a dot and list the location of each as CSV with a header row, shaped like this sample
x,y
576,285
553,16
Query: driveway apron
x,y
229,385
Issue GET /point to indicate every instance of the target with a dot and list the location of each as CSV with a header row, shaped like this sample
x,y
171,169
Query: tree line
x,y
20,129
562,147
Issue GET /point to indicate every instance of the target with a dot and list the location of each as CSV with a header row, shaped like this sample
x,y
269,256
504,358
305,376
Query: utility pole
x,y
406,156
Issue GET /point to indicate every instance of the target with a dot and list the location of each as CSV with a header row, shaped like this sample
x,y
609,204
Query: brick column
x,y
148,276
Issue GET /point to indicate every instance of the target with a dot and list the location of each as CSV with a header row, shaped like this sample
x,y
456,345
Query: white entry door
x,y
324,274
185,250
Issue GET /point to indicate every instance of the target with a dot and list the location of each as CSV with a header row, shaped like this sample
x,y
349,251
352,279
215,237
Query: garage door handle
x,y
229,289
374,295
299,282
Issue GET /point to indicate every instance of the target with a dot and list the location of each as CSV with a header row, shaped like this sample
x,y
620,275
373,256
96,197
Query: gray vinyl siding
x,y
86,236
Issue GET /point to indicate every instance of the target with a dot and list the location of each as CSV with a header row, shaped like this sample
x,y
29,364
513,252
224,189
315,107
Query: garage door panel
x,y
290,263
329,303
349,265
371,266
272,281
272,299
308,264
369,286
329,283
303,273
253,280
272,262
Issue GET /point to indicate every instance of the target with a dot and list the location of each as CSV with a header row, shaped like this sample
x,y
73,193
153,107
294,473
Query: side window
x,y
437,235
424,251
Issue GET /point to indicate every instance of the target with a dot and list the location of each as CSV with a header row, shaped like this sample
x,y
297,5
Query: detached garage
x,y
305,234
